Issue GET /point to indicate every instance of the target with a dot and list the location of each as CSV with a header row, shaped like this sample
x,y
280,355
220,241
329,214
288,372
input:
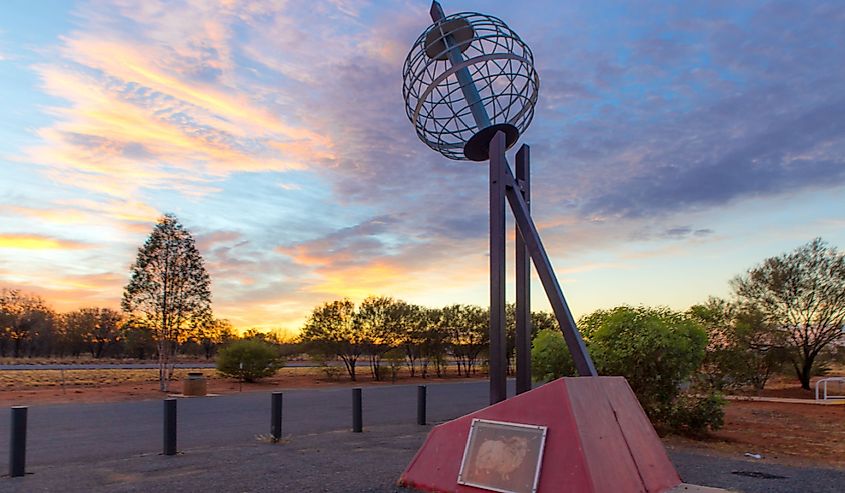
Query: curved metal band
x,y
466,63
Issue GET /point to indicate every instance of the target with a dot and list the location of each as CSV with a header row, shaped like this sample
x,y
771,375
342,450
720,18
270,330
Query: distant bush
x,y
550,358
325,364
249,360
694,414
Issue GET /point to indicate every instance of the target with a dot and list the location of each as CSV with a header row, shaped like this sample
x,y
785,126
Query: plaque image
x,y
502,456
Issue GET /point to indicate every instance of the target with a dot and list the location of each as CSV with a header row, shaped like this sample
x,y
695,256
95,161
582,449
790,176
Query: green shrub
x,y
249,360
659,352
694,415
550,358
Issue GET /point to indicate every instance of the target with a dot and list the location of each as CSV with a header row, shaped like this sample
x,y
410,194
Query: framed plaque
x,y
503,457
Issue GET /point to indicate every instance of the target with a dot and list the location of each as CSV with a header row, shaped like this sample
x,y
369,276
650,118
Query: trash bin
x,y
194,384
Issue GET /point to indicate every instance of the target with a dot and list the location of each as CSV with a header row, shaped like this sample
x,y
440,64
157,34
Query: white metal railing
x,y
823,382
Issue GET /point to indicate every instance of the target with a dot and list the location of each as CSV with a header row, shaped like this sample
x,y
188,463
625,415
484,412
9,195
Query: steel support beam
x,y
498,353
519,206
523,280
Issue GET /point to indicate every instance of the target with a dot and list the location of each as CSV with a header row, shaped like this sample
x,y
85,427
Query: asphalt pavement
x,y
224,448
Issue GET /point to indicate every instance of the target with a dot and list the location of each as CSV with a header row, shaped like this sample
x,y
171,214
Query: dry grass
x,y
38,379
88,359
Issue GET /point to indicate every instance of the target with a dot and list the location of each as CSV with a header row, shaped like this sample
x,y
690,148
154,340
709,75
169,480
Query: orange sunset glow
x,y
663,162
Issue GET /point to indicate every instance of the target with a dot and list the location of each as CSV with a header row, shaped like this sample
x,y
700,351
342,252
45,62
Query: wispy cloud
x,y
28,241
644,121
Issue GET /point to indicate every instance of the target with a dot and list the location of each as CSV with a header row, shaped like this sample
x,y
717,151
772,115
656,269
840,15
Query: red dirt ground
x,y
24,387
781,432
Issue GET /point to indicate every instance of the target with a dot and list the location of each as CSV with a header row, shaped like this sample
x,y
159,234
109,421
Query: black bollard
x,y
357,421
17,450
276,416
420,404
170,427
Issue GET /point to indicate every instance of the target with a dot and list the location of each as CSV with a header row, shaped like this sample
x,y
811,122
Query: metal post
x,y
470,92
276,416
583,362
523,280
17,448
357,421
498,353
421,404
170,426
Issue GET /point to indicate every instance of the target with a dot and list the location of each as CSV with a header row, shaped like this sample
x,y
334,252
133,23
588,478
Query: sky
x,y
674,146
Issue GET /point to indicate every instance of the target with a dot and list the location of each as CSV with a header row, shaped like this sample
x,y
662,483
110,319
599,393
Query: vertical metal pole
x,y
470,92
523,280
170,426
421,404
357,420
276,416
17,448
498,353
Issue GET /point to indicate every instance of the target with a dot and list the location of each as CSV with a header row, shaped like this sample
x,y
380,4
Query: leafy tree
x,y
763,344
74,333
743,349
254,334
169,290
801,294
550,358
541,321
23,317
467,327
331,329
410,336
380,320
98,329
395,357
433,340
214,334
138,339
249,360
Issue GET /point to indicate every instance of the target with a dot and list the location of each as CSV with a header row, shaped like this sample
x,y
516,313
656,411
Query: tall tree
x,y
382,321
169,290
801,293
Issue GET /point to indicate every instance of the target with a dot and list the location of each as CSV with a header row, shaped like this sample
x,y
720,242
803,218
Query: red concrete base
x,y
599,440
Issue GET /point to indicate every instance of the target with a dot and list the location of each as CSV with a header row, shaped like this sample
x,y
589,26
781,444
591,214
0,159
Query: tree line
x,y
30,328
385,332
787,311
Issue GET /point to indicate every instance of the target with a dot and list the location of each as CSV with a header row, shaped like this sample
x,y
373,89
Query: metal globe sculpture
x,y
468,76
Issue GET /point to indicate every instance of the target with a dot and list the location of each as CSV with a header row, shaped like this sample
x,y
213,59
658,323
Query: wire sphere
x,y
502,68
